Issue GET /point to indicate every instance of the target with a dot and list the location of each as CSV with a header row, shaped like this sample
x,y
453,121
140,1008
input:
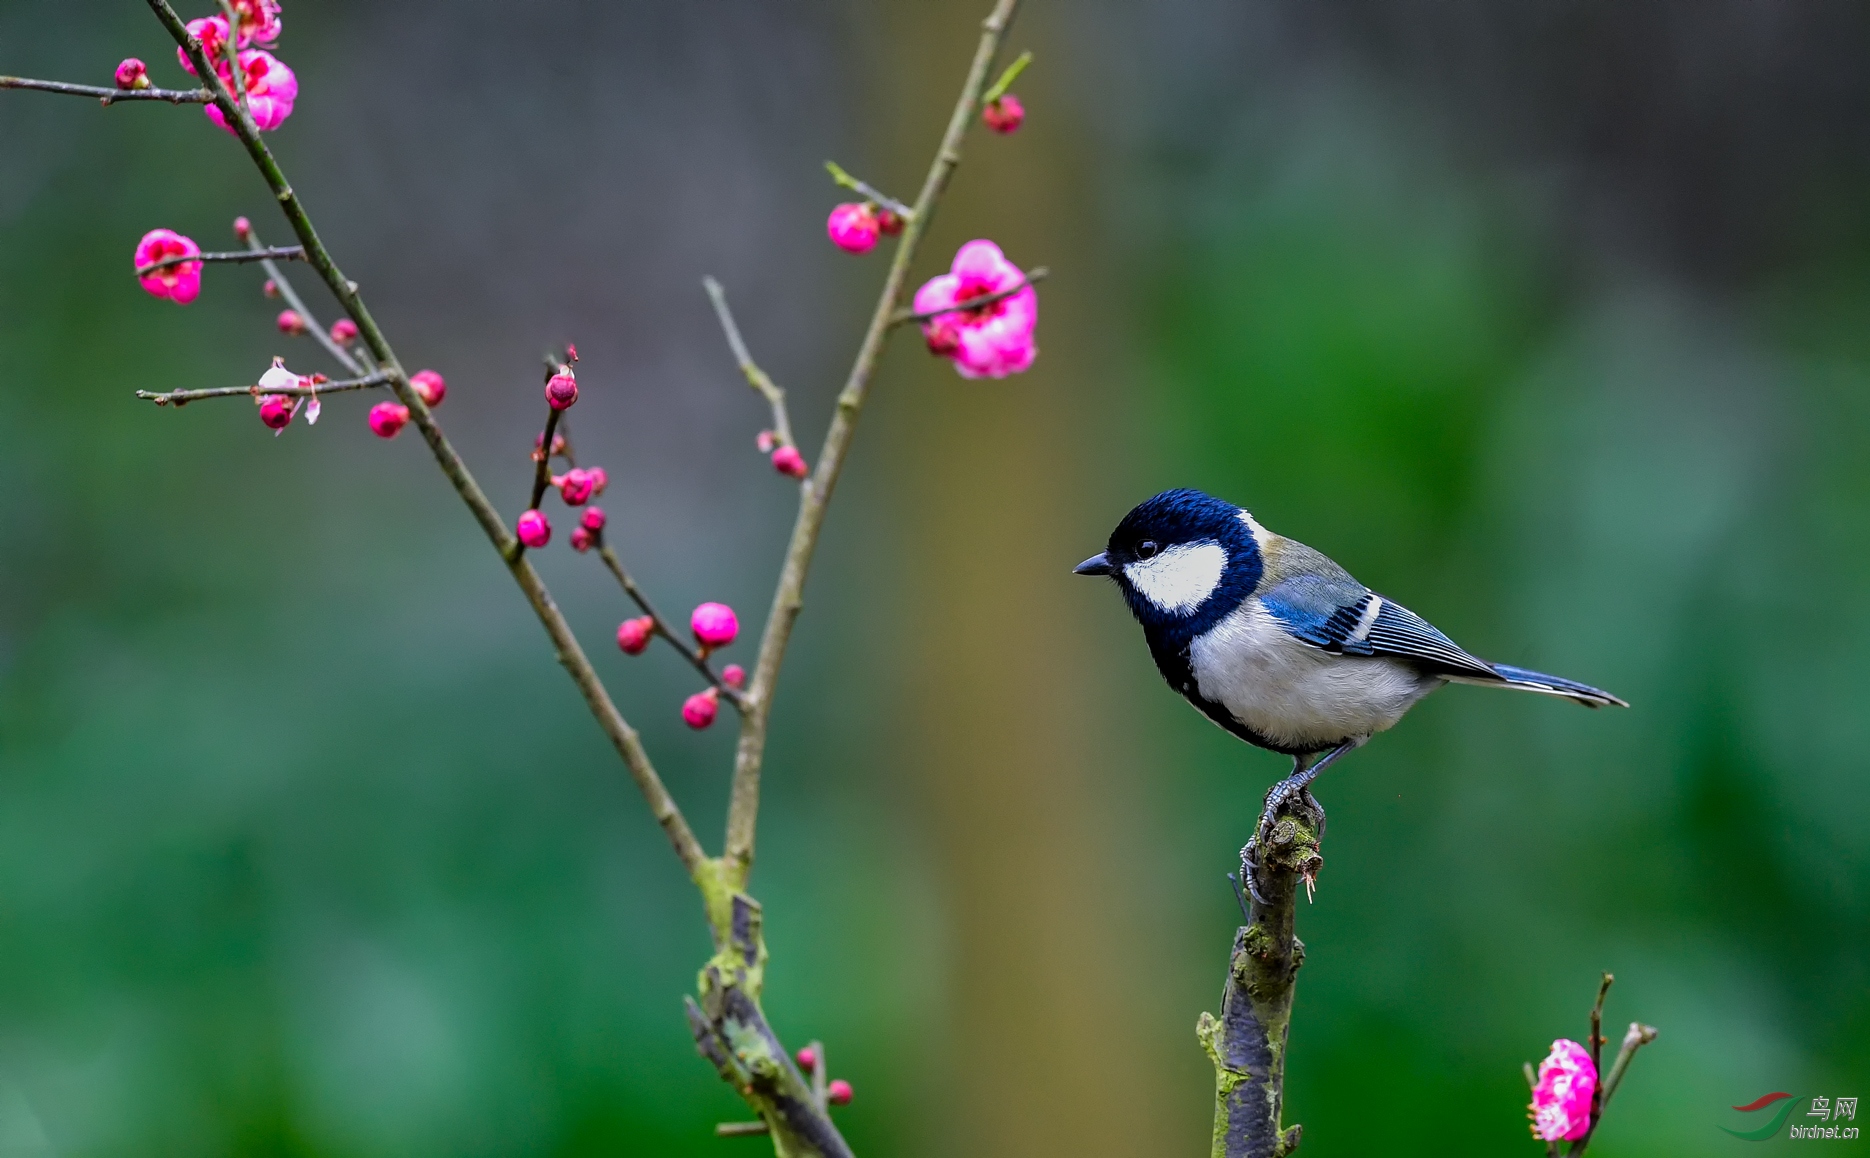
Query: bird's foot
x,y
1249,872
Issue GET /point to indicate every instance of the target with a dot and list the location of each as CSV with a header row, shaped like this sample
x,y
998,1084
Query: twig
x,y
232,49
868,191
756,377
622,736
282,252
1035,274
542,474
183,397
1635,1038
740,1129
291,298
788,596
1007,78
110,96
662,627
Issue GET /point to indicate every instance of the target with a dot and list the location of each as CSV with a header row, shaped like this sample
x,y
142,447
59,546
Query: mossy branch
x,y
1247,1042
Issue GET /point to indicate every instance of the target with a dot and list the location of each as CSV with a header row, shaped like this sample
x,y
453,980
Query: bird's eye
x,y
1147,549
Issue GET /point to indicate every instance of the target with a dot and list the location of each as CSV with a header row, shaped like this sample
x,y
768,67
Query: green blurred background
x,y
1544,318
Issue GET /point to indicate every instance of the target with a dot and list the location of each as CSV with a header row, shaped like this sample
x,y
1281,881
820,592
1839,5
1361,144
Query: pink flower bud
x,y
571,352
243,228
766,440
180,283
562,390
600,478
580,539
429,385
633,634
344,331
853,227
276,410
808,1059
1561,1100
270,289
593,520
890,222
1004,115
574,486
788,461
735,676
839,1092
290,322
714,624
132,74
387,419
698,710
534,530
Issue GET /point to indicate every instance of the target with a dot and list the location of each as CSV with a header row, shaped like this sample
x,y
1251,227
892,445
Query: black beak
x,y
1095,565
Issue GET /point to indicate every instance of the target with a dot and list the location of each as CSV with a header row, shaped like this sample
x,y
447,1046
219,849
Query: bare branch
x,y
184,397
867,191
663,629
110,96
281,252
292,299
756,377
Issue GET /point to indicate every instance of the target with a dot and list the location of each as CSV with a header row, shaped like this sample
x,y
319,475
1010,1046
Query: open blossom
x,y
1561,1101
994,340
276,410
271,90
259,21
212,32
853,227
180,283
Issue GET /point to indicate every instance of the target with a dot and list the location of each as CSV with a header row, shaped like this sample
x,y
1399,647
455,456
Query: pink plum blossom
x,y
289,322
180,283
430,386
853,227
271,90
839,1092
734,676
593,520
765,441
788,461
534,530
698,710
808,1058
714,624
259,21
243,229
1561,1101
212,32
994,340
1004,115
344,331
580,539
276,410
633,634
387,420
132,73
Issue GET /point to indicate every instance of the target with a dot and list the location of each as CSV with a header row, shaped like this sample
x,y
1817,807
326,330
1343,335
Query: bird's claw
x,y
1249,871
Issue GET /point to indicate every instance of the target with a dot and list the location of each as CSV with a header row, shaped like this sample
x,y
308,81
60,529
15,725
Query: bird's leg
x,y
1298,784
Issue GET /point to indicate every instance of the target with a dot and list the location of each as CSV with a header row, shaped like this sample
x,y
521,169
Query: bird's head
x,y
1183,559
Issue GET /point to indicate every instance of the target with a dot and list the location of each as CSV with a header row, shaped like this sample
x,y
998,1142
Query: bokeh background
x,y
1544,318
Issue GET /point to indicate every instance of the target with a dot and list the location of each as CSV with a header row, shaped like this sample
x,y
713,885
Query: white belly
x,y
1294,694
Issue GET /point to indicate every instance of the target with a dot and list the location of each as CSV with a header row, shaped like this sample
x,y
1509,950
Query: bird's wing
x,y
1325,607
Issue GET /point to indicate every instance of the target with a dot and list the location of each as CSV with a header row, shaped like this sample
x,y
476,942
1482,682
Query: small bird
x,y
1279,645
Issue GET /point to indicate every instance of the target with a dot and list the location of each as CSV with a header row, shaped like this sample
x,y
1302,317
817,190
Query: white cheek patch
x,y
1180,578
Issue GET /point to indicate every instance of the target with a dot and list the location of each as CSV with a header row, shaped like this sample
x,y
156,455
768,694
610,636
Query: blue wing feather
x,y
1326,611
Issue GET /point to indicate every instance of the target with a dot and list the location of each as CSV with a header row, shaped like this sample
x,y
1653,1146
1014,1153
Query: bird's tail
x,y
1547,685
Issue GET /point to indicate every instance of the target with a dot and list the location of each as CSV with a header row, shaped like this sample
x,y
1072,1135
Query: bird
x,y
1279,645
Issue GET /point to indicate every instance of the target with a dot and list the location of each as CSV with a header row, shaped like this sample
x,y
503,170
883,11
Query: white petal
x,y
278,376
312,407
